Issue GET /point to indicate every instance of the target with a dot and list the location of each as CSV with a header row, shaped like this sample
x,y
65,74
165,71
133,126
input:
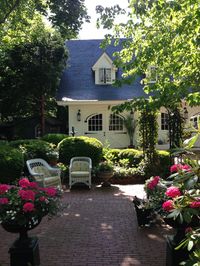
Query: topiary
x,y
54,138
80,146
11,164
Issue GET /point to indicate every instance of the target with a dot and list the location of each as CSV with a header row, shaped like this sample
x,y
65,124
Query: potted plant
x,y
105,171
143,212
22,208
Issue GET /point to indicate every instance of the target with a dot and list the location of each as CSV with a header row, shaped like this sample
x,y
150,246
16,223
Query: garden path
x,y
98,228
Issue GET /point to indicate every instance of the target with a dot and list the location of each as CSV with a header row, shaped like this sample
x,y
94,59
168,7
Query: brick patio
x,y
98,228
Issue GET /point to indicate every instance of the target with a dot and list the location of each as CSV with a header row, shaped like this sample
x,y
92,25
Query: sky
x,y
89,30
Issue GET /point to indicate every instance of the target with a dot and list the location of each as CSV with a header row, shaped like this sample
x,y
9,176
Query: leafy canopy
x,y
163,34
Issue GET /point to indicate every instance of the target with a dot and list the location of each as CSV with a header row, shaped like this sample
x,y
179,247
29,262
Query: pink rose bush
x,y
183,193
178,196
27,200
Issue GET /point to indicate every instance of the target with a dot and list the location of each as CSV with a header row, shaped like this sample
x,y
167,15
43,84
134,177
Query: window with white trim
x,y
95,123
164,121
105,75
115,122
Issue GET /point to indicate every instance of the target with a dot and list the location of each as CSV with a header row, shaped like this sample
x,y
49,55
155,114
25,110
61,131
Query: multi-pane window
x,y
164,121
115,122
95,123
105,75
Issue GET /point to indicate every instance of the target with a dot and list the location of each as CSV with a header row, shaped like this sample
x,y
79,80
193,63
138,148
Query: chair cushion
x,y
53,180
79,173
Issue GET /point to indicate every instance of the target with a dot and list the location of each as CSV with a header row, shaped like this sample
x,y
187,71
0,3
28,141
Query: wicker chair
x,y
43,173
80,171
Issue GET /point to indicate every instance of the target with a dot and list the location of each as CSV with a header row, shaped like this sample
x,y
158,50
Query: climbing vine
x,y
148,128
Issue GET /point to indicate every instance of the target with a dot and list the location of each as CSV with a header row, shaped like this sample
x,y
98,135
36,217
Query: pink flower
x,y
4,201
168,205
27,195
33,185
178,167
24,182
4,188
153,183
42,198
186,167
175,168
195,204
51,191
28,207
173,192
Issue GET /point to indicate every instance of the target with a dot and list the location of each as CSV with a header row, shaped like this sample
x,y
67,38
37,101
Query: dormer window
x,y
105,70
105,75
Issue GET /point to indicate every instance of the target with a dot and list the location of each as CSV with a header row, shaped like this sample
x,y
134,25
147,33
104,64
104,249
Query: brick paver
x,y
98,228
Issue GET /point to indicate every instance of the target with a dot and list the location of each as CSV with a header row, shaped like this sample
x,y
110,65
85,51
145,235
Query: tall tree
x,y
65,15
165,35
30,71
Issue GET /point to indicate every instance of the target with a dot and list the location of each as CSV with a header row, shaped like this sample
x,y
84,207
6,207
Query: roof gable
x,y
78,79
104,61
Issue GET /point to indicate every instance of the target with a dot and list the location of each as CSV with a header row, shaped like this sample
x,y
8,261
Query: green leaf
x,y
190,245
192,141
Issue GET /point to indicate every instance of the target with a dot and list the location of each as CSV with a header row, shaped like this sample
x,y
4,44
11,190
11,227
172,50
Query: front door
x,y
108,128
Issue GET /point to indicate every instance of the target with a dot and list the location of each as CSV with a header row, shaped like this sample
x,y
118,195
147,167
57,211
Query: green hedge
x,y
80,146
54,138
134,156
11,164
33,148
164,162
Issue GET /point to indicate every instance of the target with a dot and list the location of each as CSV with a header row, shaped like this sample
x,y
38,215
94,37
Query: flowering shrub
x,y
183,196
19,204
155,188
178,197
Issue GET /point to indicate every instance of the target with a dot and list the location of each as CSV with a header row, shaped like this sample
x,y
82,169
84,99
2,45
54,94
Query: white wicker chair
x,y
43,173
80,171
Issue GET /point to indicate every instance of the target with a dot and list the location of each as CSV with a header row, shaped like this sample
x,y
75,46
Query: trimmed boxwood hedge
x,y
80,146
33,148
11,164
54,138
134,156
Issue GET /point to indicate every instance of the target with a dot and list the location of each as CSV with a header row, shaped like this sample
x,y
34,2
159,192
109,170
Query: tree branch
x,y
11,9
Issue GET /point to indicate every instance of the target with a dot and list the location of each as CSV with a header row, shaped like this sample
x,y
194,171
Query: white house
x,y
86,88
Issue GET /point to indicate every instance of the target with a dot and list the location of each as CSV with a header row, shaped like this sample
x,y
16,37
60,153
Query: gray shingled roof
x,y
78,82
